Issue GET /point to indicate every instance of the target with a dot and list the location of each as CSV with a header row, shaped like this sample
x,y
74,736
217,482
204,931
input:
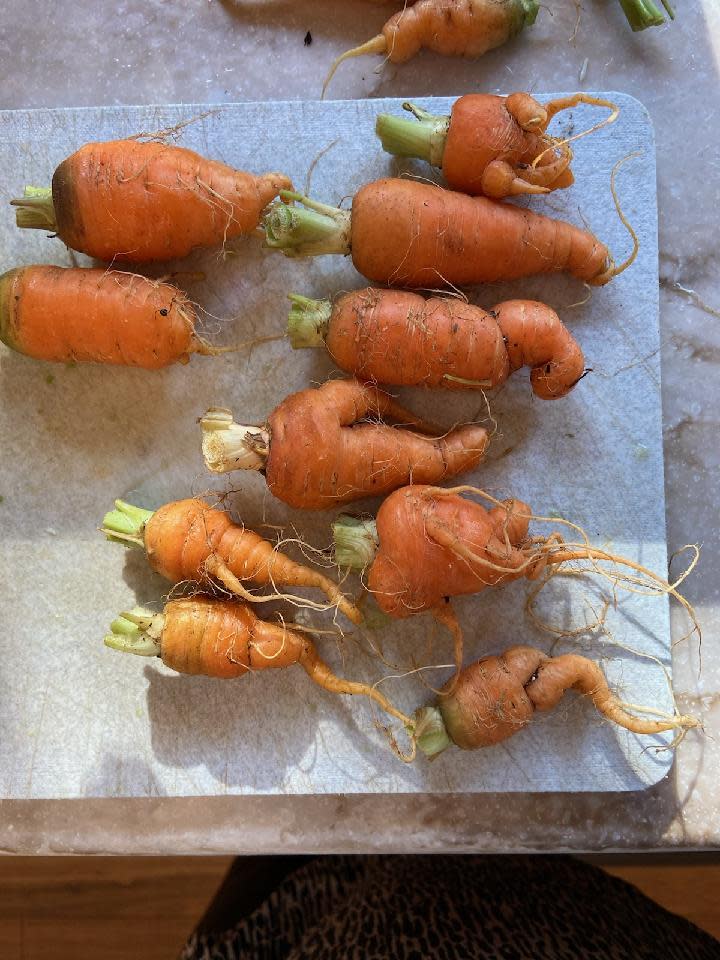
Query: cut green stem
x,y
424,140
137,631
642,14
35,210
308,321
312,230
126,524
355,542
227,445
430,733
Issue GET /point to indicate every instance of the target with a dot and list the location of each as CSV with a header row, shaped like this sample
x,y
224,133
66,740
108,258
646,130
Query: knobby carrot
x,y
223,639
489,145
190,540
402,339
410,234
131,200
429,544
493,699
103,316
458,28
318,450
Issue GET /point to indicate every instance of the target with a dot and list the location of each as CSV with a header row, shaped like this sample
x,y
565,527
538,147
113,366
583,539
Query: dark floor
x,y
103,908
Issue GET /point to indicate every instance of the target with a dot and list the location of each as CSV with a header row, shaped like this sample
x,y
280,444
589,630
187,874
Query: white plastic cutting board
x,y
77,719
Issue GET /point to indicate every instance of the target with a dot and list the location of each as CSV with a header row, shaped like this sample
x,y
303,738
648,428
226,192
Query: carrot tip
x,y
377,44
355,542
227,445
137,631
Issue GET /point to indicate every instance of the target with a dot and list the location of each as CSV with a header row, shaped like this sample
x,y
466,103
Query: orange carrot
x,y
222,639
491,146
190,540
459,28
399,338
410,234
493,699
95,315
129,200
317,452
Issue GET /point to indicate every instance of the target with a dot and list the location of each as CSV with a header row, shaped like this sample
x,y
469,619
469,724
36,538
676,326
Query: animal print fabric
x,y
455,908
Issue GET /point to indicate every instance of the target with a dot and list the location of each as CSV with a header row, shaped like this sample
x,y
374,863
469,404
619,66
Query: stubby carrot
x,y
493,699
318,450
401,339
137,201
190,540
225,639
458,28
489,145
410,234
95,315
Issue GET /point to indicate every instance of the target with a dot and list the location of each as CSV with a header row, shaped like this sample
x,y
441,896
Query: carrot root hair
x,y
377,44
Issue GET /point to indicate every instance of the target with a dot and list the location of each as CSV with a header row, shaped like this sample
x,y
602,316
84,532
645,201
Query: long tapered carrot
x,y
489,145
494,698
223,639
401,339
460,28
190,540
318,450
137,201
95,315
410,234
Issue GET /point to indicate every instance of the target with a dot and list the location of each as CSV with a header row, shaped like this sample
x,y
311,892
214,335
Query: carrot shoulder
x,y
131,200
104,316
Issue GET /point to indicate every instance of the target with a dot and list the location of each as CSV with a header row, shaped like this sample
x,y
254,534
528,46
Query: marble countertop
x,y
159,51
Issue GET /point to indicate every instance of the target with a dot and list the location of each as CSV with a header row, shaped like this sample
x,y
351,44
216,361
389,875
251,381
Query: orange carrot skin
x,y
465,28
481,131
412,573
320,456
126,200
94,315
400,338
180,536
223,639
411,234
487,702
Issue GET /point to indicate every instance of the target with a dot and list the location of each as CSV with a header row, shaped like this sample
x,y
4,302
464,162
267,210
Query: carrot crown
x,y
312,230
430,733
355,542
642,14
227,445
405,138
35,210
136,631
126,524
308,321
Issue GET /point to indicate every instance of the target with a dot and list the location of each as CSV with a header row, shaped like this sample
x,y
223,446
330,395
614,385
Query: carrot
x,y
190,540
493,699
411,234
429,544
316,452
400,338
493,146
223,639
128,200
95,315
458,28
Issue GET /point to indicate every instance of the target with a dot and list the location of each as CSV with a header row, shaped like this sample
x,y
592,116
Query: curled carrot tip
x,y
378,44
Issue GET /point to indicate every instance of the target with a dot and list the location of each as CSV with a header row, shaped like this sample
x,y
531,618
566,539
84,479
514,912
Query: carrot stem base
x,y
308,321
424,140
311,230
137,631
126,524
355,542
642,14
35,210
430,733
